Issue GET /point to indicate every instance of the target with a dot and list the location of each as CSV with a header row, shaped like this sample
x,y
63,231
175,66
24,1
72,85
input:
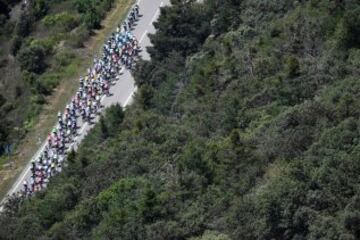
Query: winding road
x,y
124,89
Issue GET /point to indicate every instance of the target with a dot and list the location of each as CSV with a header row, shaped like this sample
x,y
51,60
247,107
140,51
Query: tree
x,y
39,8
212,235
32,59
15,44
348,30
92,19
190,27
115,116
226,15
292,67
146,92
82,5
23,26
149,205
104,131
230,119
352,223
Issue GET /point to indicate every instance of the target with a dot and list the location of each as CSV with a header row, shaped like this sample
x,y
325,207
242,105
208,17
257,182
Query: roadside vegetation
x,y
245,126
40,47
27,123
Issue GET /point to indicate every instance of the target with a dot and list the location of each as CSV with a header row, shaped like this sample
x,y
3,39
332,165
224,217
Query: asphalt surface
x,y
124,89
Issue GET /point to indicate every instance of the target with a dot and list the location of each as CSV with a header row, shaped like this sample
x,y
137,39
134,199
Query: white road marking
x,y
22,177
154,17
157,13
130,97
143,36
83,128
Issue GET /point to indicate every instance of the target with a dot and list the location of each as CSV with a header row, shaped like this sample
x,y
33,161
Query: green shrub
x,y
348,30
29,77
8,28
32,59
78,37
23,26
82,5
64,58
33,111
46,83
292,66
16,42
47,44
38,99
64,21
92,19
145,94
93,11
212,235
39,8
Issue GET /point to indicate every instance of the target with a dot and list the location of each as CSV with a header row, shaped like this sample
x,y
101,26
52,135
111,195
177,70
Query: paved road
x,y
124,89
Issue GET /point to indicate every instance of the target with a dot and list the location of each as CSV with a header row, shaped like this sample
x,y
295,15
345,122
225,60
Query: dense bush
x,y
15,44
64,21
32,59
78,37
93,11
23,26
39,8
349,29
190,28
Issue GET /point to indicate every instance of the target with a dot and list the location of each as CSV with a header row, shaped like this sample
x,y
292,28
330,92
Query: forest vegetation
x,y
245,126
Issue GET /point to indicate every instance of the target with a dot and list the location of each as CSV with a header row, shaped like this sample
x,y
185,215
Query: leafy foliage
x,y
93,11
246,128
32,59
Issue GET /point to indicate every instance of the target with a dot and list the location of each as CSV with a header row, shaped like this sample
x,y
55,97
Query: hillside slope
x,y
245,126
